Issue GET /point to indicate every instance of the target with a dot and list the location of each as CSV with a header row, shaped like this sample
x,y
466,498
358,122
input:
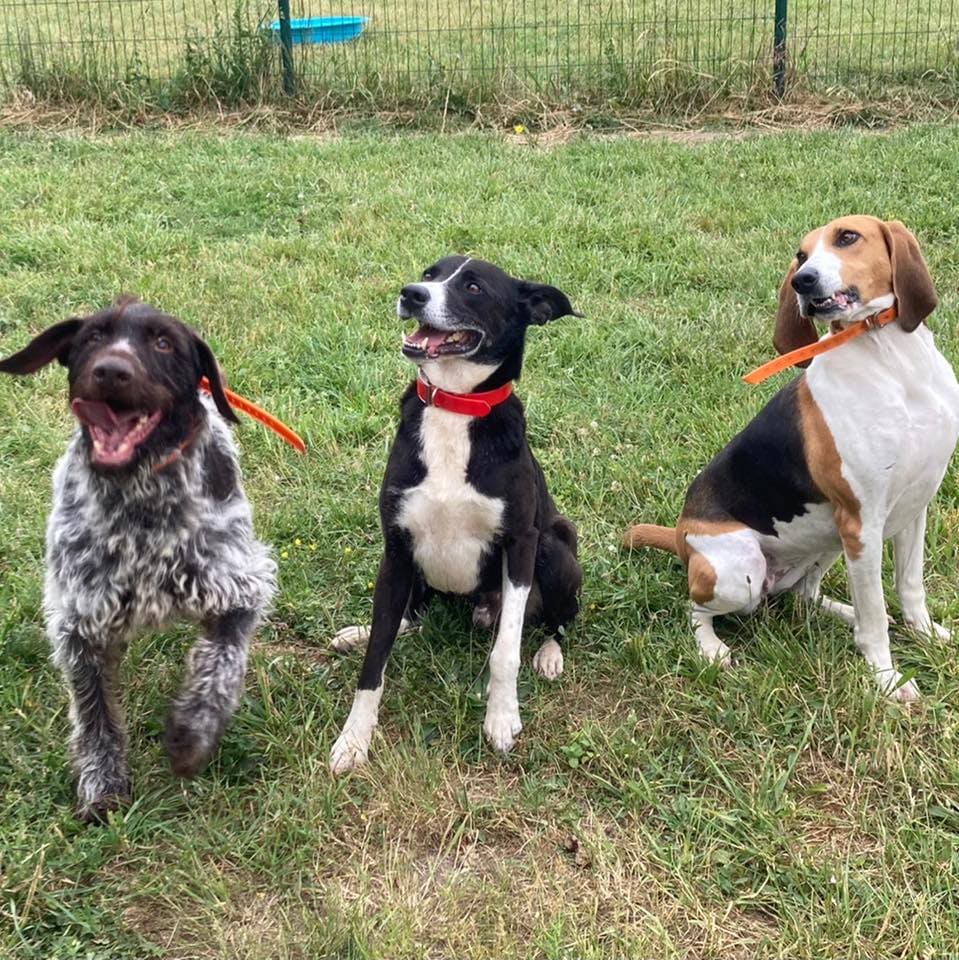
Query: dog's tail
x,y
649,535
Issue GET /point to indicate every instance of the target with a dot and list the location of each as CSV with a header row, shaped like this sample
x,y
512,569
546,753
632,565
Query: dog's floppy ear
x,y
544,303
53,344
210,369
915,294
792,329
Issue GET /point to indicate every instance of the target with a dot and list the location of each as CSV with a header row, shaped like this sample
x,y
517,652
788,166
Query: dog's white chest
x,y
892,404
452,524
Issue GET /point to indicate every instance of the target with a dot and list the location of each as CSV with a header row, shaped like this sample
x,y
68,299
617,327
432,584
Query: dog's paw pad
x,y
349,638
347,754
501,728
548,660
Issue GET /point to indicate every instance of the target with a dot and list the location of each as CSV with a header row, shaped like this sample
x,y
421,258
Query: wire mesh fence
x,y
464,52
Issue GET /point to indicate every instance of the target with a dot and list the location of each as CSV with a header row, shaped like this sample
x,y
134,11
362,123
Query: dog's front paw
x,y
890,682
351,750
548,660
502,726
98,811
716,652
188,746
102,785
922,623
943,633
349,638
98,796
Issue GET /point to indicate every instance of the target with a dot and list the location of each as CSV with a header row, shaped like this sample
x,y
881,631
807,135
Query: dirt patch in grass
x,y
303,653
465,871
831,798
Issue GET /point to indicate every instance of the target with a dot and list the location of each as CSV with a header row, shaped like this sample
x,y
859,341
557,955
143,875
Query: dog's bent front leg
x,y
908,547
98,740
502,724
211,690
390,597
864,569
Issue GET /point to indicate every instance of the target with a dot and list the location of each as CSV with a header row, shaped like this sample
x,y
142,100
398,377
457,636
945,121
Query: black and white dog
x,y
149,525
464,505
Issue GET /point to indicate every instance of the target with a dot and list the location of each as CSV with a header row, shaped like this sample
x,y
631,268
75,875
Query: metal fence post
x,y
286,48
779,48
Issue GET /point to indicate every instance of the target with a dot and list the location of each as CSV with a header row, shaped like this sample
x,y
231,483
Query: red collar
x,y
469,404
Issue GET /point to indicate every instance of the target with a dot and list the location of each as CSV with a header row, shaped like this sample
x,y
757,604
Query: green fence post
x,y
286,48
779,48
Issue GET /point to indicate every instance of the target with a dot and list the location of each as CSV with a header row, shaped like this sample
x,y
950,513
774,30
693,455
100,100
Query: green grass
x,y
654,808
474,58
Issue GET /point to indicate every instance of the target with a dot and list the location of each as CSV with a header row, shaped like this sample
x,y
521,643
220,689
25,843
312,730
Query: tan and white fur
x,y
867,432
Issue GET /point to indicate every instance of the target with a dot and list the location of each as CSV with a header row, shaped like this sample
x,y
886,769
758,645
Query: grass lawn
x,y
654,808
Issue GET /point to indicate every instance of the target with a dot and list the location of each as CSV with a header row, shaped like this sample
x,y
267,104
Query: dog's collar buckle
x,y
468,404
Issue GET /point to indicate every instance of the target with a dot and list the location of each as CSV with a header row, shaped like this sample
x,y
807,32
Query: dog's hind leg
x,y
211,690
486,609
727,574
98,739
392,596
349,638
810,589
558,579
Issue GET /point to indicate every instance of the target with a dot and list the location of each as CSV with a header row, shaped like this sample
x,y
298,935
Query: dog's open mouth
x,y
115,435
842,301
430,342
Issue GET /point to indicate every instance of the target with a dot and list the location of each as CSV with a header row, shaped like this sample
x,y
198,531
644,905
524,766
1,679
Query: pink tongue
x,y
95,414
435,339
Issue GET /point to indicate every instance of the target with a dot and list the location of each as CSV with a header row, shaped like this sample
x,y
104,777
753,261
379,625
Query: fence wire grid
x,y
566,52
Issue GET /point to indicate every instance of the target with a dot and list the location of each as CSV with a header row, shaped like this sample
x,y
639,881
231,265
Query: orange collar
x,y
178,452
469,404
258,413
811,350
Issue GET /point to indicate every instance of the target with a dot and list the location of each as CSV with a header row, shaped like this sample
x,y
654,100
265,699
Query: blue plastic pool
x,y
323,29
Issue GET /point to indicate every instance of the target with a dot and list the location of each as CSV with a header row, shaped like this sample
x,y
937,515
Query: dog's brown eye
x,y
427,274
96,336
163,345
801,258
847,238
473,287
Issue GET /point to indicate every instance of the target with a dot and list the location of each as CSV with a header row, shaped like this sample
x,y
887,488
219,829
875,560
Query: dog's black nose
x,y
805,281
414,295
112,372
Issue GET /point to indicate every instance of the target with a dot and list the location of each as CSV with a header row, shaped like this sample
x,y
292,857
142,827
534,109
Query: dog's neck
x,y
461,376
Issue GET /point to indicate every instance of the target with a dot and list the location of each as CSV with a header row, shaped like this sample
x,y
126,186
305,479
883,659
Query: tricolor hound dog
x,y
845,456
464,505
